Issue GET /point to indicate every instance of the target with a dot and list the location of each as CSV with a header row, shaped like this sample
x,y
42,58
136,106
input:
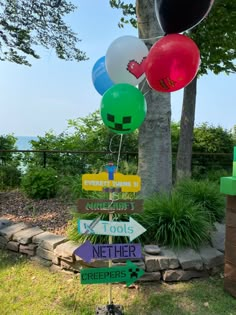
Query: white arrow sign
x,y
132,229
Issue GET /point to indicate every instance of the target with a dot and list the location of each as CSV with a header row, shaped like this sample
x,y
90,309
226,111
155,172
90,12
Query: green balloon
x,y
123,108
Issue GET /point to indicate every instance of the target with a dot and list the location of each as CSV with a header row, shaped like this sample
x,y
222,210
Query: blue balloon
x,y
100,77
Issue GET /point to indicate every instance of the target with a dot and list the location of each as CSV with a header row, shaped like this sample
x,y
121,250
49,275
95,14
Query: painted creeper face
x,y
122,125
134,273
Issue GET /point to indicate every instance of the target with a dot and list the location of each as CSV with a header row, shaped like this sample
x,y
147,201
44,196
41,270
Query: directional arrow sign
x,y
104,205
88,251
128,273
132,229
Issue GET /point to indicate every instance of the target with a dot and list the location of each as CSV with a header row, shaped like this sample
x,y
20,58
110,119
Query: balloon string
x,y
141,88
147,92
143,83
115,197
119,150
118,158
111,143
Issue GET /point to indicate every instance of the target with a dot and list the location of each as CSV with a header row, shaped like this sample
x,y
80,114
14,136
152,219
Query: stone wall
x,y
159,263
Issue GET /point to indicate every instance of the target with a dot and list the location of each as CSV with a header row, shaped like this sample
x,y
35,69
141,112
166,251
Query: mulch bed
x,y
50,215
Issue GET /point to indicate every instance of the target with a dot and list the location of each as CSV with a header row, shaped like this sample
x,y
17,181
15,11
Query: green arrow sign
x,y
128,273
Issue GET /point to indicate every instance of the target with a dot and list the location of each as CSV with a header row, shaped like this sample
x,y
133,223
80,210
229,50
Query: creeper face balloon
x,y
123,108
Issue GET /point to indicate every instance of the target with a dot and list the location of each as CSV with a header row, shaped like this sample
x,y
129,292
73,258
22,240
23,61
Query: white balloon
x,y
125,59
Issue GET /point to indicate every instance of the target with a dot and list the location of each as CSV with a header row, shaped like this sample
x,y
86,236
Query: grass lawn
x,y
29,289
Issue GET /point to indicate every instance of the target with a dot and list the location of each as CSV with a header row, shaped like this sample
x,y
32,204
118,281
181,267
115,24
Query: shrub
x,y
69,187
215,175
127,168
171,220
10,177
205,194
40,183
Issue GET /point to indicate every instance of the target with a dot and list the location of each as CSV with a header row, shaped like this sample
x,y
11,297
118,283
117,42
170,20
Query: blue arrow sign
x,y
88,251
132,229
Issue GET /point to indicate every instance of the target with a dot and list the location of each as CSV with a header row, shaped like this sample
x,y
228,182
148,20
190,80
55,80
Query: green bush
x,y
10,177
215,175
40,183
205,194
200,172
174,221
69,187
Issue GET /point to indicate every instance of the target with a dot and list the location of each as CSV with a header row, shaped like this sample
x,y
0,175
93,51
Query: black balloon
x,y
176,16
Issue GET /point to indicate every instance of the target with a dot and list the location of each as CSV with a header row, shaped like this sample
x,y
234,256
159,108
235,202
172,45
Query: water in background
x,y
23,142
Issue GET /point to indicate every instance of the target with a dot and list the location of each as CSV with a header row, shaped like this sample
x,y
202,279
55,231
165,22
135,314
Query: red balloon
x,y
172,63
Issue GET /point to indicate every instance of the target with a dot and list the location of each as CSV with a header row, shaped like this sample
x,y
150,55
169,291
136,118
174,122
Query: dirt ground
x,y
50,215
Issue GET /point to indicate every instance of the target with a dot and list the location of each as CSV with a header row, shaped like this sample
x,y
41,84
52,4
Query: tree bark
x,y
155,157
184,154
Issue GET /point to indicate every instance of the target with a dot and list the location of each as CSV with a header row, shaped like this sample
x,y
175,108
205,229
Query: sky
x,y
43,97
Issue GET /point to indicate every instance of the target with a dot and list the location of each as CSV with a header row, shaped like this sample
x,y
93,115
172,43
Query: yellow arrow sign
x,y
97,182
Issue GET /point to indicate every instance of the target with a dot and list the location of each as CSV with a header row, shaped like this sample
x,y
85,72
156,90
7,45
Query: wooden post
x,y
230,247
110,242
228,187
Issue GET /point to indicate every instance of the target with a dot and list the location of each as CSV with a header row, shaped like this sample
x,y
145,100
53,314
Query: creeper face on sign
x,y
134,273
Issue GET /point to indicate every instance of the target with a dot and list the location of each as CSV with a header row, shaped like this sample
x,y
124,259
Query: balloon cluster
x,y
174,60
170,65
115,77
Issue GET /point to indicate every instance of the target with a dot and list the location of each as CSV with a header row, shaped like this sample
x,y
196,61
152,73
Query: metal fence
x,y
81,159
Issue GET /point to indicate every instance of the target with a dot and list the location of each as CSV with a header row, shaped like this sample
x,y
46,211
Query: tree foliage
x,y
26,24
217,142
9,162
211,139
128,10
87,134
7,142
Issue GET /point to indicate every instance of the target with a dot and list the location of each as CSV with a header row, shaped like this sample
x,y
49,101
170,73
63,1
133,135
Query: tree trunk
x,y
155,157
184,154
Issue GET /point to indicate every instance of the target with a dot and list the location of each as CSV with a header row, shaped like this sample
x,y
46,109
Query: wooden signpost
x,y
110,181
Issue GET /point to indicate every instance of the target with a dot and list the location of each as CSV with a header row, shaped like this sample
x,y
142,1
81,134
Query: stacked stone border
x,y
159,263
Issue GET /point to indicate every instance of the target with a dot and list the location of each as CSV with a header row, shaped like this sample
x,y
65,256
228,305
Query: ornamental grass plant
x,y
205,194
174,221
